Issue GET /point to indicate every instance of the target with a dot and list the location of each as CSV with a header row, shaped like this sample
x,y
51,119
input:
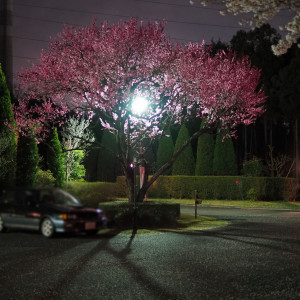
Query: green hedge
x,y
120,213
91,193
219,187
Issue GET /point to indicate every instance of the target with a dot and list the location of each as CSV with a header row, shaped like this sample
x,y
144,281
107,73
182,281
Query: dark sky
x,y
35,21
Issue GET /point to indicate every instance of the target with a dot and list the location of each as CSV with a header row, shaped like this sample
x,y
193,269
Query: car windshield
x,y
60,197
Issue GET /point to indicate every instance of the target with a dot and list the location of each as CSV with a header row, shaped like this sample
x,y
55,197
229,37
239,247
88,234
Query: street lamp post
x,y
134,222
138,107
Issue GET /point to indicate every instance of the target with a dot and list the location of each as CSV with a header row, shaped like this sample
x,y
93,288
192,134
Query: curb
x,y
239,207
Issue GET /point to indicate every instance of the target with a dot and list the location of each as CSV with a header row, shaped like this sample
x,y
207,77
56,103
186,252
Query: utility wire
x,y
73,10
178,5
224,27
29,39
114,15
25,57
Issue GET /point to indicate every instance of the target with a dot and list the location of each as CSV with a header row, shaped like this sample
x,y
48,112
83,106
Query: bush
x,y
291,190
252,167
27,161
108,167
7,137
44,179
91,193
149,214
185,162
165,151
56,160
224,161
252,194
218,187
205,154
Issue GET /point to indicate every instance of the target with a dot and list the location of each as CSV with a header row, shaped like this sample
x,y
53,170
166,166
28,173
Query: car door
x,y
28,210
7,208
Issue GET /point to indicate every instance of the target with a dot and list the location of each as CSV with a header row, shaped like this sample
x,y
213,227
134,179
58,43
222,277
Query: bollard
x,y
196,203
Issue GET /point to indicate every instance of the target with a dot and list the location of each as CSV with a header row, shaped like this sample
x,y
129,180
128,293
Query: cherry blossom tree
x,y
100,71
263,12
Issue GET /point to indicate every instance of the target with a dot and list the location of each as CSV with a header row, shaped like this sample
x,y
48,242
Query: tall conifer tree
x,y
27,161
165,151
55,159
7,137
108,167
205,154
224,162
185,163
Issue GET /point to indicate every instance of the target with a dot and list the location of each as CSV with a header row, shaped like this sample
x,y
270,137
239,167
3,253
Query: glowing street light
x,y
139,105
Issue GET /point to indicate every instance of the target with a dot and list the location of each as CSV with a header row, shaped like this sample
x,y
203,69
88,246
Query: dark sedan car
x,y
48,211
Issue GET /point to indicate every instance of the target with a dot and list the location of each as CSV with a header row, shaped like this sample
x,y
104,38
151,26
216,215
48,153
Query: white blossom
x,y
262,12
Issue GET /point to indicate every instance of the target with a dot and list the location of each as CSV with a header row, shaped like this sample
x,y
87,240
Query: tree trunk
x,y
297,151
141,191
130,182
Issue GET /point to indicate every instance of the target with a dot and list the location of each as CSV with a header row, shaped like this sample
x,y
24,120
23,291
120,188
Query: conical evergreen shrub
x,y
55,159
7,137
165,151
224,162
108,167
185,163
27,161
205,154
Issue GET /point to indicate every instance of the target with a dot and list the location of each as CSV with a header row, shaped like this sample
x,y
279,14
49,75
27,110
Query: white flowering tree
x,y
75,137
262,12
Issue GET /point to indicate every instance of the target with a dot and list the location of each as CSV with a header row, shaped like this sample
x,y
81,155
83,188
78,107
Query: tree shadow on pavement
x,y
256,236
148,283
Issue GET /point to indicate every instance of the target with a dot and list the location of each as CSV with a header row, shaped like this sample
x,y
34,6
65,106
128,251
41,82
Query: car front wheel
x,y
2,227
47,228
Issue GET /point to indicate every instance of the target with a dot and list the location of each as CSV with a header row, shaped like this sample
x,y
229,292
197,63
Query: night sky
x,y
35,21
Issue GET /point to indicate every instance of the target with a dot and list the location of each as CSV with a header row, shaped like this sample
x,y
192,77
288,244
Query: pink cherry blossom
x,y
99,70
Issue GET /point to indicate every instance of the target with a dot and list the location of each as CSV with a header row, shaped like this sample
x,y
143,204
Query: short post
x,y
134,223
196,203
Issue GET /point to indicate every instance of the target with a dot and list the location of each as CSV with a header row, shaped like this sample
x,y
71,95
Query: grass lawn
x,y
184,223
189,223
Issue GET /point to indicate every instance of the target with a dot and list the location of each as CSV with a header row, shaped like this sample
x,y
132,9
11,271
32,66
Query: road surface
x,y
257,256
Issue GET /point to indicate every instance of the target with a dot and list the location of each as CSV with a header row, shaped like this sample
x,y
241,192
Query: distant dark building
x,y
6,55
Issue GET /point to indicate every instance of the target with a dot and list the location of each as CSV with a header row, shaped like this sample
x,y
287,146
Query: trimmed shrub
x,y
44,179
185,162
218,187
8,148
55,159
165,152
252,167
252,194
27,161
205,154
107,165
224,162
7,160
91,193
149,214
291,190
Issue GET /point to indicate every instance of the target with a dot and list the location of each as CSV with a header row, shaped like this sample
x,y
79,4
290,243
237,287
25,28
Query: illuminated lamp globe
x,y
139,105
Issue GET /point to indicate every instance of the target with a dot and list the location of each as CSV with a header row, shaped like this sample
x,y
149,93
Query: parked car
x,y
49,211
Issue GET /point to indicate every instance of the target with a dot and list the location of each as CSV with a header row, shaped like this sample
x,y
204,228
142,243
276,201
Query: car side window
x,y
47,197
8,197
26,198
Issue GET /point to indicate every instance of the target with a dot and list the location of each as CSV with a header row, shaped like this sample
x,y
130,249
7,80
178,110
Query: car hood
x,y
68,209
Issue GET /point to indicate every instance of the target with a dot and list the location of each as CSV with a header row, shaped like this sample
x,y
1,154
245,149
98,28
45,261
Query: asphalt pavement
x,y
257,256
